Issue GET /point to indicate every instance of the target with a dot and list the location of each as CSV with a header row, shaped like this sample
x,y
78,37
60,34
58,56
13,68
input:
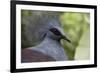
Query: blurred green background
x,y
76,27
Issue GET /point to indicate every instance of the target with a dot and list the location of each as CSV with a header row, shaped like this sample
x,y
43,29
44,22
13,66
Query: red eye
x,y
55,31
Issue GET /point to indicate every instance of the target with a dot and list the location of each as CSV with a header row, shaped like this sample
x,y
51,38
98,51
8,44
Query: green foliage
x,y
83,50
74,25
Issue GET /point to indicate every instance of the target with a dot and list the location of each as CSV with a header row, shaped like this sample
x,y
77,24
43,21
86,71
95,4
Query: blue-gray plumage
x,y
50,49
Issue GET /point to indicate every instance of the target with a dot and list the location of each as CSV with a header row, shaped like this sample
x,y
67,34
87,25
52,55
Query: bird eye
x,y
55,31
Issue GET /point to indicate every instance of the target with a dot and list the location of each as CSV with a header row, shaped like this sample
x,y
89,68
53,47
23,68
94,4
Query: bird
x,y
50,49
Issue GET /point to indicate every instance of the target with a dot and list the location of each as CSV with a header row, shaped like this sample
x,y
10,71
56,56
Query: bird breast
x,y
51,48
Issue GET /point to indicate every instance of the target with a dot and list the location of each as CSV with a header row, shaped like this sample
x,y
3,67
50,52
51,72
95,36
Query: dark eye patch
x,y
55,31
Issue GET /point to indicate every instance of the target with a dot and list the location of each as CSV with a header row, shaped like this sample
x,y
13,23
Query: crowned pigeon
x,y
50,48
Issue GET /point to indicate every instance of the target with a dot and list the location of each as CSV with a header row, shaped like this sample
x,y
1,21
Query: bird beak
x,y
65,38
63,35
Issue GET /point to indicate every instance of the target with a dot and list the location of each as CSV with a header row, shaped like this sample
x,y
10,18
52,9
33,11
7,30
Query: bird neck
x,y
53,48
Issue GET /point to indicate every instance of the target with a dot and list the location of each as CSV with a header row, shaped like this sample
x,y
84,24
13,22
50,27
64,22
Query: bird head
x,y
56,32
